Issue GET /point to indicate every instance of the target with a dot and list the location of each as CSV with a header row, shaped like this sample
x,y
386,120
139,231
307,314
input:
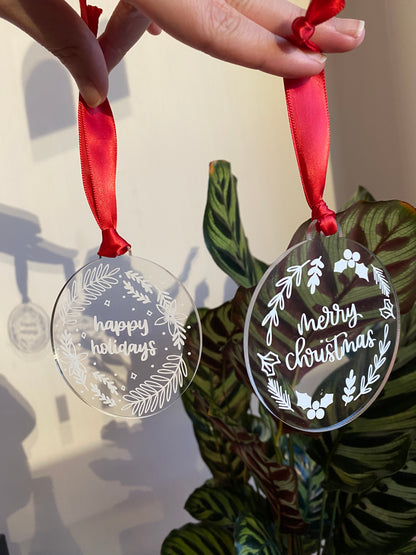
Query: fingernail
x,y
351,27
317,57
91,96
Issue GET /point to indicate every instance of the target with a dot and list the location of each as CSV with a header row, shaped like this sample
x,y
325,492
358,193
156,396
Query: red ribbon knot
x,y
303,31
325,218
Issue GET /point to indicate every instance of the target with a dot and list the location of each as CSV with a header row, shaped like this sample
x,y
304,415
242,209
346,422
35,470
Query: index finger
x,y
219,29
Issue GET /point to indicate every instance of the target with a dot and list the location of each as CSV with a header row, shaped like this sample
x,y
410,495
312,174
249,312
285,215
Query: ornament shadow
x,y
21,239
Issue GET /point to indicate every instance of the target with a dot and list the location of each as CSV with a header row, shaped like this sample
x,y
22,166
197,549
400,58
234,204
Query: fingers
x,y
57,27
249,32
125,27
335,35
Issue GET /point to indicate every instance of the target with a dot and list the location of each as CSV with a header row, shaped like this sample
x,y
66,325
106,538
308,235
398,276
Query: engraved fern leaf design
x,y
90,285
278,301
378,360
153,393
381,280
281,396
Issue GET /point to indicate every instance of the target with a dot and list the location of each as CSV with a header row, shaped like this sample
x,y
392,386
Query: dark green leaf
x,y
409,549
253,538
217,384
222,505
360,194
223,231
388,229
278,481
382,519
199,539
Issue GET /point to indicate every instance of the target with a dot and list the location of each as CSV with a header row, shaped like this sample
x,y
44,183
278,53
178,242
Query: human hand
x,y
250,33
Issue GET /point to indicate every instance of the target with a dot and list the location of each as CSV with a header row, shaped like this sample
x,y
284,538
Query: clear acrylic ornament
x,y
122,337
321,333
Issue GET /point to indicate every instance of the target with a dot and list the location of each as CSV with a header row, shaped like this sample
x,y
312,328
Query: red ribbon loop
x,y
98,153
307,107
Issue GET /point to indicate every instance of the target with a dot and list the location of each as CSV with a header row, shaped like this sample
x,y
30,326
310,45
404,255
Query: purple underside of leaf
x,y
279,481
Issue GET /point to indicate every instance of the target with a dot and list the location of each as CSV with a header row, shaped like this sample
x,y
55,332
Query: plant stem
x,y
291,452
321,525
334,514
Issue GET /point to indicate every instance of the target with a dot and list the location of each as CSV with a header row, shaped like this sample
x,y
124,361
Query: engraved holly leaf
x,y
327,400
361,270
340,266
304,400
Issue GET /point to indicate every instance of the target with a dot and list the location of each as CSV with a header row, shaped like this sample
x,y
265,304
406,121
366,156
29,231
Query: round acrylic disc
x,y
321,333
122,337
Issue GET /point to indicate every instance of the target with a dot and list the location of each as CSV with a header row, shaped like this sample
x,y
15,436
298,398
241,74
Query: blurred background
x,y
72,480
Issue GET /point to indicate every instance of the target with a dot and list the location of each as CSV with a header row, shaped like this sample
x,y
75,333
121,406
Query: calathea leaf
x,y
360,194
361,460
223,231
222,505
310,478
278,481
408,549
216,384
388,229
381,519
202,539
253,538
376,444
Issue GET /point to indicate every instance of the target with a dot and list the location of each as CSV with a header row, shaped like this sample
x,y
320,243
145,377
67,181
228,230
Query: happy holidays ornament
x,y
120,327
121,337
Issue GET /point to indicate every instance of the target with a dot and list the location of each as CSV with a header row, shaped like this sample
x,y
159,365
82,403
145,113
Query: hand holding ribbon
x,y
98,152
307,106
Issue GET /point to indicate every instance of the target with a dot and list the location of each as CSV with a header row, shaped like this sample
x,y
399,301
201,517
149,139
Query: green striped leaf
x,y
388,229
278,481
383,518
408,549
253,538
360,194
217,384
223,231
199,539
222,505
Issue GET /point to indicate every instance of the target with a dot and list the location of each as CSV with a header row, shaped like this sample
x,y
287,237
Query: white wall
x,y
372,99
86,484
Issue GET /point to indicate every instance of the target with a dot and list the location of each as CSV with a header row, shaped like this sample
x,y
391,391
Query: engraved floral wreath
x,y
315,409
154,392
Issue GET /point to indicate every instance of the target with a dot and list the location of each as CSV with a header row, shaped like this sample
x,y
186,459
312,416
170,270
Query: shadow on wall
x,y
28,323
157,470
50,101
21,239
17,488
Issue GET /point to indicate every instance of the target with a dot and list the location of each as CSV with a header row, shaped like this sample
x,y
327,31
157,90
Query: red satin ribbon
x,y
307,107
98,152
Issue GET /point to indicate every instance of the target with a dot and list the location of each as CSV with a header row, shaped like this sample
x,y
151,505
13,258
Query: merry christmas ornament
x,y
322,328
321,333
